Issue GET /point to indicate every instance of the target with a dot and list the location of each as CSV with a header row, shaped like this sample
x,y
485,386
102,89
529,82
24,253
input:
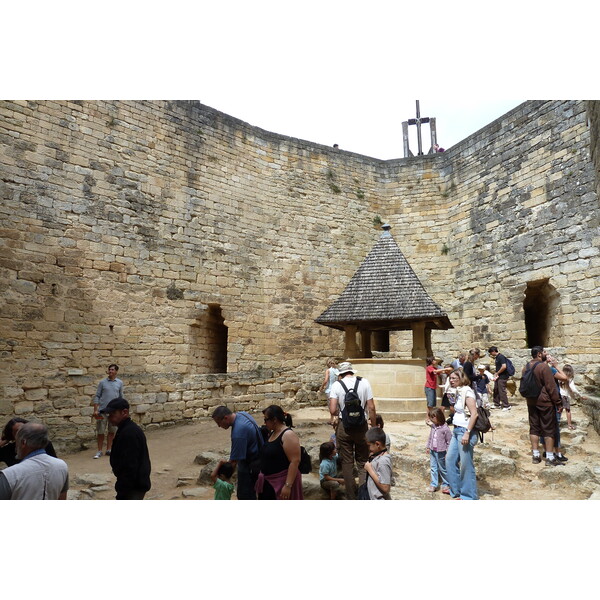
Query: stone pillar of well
x,y
350,348
365,343
421,345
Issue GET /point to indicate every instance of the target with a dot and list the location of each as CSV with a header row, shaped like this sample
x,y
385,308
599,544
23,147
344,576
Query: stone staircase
x,y
397,387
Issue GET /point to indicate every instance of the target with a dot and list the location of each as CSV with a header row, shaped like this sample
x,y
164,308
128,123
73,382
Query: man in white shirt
x,y
350,439
38,476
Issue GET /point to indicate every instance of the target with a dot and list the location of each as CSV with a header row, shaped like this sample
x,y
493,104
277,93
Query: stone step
x,y
391,416
401,404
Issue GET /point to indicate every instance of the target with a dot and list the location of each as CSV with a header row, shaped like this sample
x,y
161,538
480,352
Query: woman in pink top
x,y
437,444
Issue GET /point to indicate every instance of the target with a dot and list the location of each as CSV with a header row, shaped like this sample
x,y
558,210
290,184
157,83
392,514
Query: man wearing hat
x,y
351,442
129,458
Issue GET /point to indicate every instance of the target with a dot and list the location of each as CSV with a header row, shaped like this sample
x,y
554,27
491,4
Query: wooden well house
x,y
386,295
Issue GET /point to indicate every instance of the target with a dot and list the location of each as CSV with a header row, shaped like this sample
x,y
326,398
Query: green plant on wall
x,y
334,187
360,194
377,222
445,249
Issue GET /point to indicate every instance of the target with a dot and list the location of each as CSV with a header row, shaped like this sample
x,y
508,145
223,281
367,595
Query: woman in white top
x,y
459,458
331,376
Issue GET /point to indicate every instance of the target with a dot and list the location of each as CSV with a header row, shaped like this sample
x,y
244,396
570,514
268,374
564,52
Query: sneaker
x,y
553,463
98,454
494,406
107,453
506,408
536,460
561,458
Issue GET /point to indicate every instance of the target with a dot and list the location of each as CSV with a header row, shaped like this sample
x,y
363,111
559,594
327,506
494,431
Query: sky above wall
x,y
324,71
369,126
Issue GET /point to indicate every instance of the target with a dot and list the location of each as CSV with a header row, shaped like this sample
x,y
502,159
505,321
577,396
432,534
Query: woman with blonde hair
x,y
460,469
331,376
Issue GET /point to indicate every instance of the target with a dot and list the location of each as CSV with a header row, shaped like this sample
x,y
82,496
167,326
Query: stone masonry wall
x,y
126,225
592,405
122,222
513,203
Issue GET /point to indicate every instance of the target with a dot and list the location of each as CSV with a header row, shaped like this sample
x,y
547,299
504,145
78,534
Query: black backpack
x,y
305,465
510,368
483,424
529,386
353,414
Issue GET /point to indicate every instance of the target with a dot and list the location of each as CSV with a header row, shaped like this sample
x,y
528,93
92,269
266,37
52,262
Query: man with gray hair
x,y
38,476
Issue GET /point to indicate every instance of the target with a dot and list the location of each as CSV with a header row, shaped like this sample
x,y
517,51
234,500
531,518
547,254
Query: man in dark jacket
x,y
469,368
129,458
542,410
500,379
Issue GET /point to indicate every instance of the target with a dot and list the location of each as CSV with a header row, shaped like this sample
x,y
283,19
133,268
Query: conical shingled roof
x,y
384,294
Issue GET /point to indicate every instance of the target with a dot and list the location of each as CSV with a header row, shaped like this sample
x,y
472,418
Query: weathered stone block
x,y
36,394
23,408
493,465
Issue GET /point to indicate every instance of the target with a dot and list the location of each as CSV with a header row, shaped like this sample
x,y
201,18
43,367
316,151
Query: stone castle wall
x,y
134,232
516,205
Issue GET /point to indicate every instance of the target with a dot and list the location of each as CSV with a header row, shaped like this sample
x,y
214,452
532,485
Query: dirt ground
x,y
175,474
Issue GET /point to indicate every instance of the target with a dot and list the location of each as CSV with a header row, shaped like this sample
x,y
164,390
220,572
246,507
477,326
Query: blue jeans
x,y
430,395
459,466
437,461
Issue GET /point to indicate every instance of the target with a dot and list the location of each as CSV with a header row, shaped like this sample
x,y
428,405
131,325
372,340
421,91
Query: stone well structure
x,y
384,295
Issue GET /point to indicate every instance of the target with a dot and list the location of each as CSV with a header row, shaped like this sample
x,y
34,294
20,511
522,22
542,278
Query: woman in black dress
x,y
279,478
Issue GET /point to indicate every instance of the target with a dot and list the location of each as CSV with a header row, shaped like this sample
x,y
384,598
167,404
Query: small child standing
x,y
379,423
568,390
328,469
437,444
379,466
481,383
220,476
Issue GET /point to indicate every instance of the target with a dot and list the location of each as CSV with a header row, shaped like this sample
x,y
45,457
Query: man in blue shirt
x,y
246,441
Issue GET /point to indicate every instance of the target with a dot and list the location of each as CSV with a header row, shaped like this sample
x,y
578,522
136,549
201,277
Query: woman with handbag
x,y
459,458
279,477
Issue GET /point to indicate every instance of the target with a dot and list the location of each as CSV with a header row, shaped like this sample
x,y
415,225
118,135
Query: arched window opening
x,y
540,306
208,343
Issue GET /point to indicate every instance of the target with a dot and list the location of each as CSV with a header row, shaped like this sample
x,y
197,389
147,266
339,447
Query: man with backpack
x,y
538,386
503,372
350,399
